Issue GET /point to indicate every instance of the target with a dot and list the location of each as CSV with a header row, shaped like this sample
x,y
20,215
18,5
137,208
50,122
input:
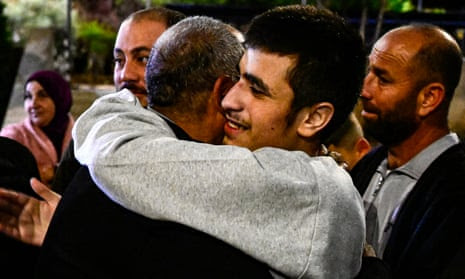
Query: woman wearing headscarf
x,y
46,131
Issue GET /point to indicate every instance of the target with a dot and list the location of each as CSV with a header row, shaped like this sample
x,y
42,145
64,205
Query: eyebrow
x,y
258,82
133,51
379,71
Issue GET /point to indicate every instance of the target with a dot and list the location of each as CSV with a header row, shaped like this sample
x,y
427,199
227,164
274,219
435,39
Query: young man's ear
x,y
221,87
362,147
430,98
313,119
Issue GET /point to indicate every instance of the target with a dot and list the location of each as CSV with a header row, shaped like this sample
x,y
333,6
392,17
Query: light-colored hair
x,y
186,61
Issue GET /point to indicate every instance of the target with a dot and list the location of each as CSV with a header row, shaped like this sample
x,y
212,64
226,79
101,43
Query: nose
x,y
367,88
232,100
127,72
34,100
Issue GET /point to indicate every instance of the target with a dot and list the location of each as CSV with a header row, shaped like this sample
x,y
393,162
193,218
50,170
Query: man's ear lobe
x,y
313,119
221,87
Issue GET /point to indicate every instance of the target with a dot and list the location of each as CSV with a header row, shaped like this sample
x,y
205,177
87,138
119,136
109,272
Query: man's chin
x,y
142,98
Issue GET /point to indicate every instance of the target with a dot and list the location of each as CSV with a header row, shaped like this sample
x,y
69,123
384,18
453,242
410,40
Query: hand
x,y
368,251
26,218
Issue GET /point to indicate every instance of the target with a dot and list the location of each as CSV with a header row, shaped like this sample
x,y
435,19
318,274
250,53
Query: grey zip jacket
x,y
301,215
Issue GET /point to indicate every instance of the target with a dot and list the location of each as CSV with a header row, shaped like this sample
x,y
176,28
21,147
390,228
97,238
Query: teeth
x,y
232,125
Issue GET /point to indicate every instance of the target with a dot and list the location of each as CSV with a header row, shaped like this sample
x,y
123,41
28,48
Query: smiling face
x,y
390,89
258,106
38,104
132,49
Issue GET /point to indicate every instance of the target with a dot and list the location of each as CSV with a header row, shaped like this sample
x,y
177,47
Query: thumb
x,y
44,191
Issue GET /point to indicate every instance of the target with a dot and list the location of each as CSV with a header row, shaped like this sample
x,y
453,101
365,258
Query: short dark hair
x,y
439,59
168,16
330,56
186,61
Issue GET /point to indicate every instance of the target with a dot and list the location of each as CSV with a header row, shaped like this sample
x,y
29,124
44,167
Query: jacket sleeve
x,y
275,205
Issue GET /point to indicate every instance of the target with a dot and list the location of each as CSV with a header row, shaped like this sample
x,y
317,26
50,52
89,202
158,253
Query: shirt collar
x,y
418,164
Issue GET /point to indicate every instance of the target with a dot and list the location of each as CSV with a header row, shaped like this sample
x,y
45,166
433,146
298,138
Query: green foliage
x,y
337,5
400,6
98,38
26,14
264,3
36,13
5,33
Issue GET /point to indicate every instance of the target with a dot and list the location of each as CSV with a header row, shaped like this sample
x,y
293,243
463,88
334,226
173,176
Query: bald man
x,y
412,185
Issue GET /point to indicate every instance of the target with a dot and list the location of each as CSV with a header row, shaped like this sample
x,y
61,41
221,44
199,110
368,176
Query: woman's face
x,y
38,104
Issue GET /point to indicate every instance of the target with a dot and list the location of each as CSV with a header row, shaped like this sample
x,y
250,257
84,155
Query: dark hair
x,y
168,16
330,56
186,61
439,59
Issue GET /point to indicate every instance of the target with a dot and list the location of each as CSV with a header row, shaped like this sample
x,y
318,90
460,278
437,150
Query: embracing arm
x,y
270,203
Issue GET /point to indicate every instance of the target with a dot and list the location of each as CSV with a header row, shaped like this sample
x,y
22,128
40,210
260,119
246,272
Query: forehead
x,y
271,68
33,85
396,48
136,34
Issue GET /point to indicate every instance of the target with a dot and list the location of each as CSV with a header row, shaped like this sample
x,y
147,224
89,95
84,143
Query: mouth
x,y
34,113
368,110
369,114
138,91
233,126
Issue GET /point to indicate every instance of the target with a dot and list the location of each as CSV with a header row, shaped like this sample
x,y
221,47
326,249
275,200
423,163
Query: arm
x,y
268,203
26,218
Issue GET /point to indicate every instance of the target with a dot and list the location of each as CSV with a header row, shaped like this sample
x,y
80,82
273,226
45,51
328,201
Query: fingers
x,y
9,212
11,202
369,251
45,192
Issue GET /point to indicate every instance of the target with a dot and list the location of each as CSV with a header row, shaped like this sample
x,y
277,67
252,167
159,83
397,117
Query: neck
x,y
404,151
198,127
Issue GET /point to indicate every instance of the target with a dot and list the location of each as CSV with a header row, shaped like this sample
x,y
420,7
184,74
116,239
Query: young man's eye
x,y
141,59
256,91
118,61
383,80
144,59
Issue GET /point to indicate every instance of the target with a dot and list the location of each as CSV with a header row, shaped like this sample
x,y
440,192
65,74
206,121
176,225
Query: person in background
x,y
134,41
46,131
349,142
412,185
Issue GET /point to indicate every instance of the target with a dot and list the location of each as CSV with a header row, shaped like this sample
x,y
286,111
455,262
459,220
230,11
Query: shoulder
x,y
16,131
450,161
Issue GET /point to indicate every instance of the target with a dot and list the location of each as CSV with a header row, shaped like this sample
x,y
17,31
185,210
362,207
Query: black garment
x,y
17,166
66,170
428,237
90,236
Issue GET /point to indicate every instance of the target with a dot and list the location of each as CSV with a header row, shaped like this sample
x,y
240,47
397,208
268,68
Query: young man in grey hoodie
x,y
298,214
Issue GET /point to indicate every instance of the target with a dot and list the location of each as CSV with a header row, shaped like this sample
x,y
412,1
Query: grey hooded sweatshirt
x,y
299,214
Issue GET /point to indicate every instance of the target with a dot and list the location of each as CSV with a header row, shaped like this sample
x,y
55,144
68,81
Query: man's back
x,y
92,237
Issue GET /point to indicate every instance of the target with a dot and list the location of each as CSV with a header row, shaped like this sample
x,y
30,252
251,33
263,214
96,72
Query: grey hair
x,y
186,61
